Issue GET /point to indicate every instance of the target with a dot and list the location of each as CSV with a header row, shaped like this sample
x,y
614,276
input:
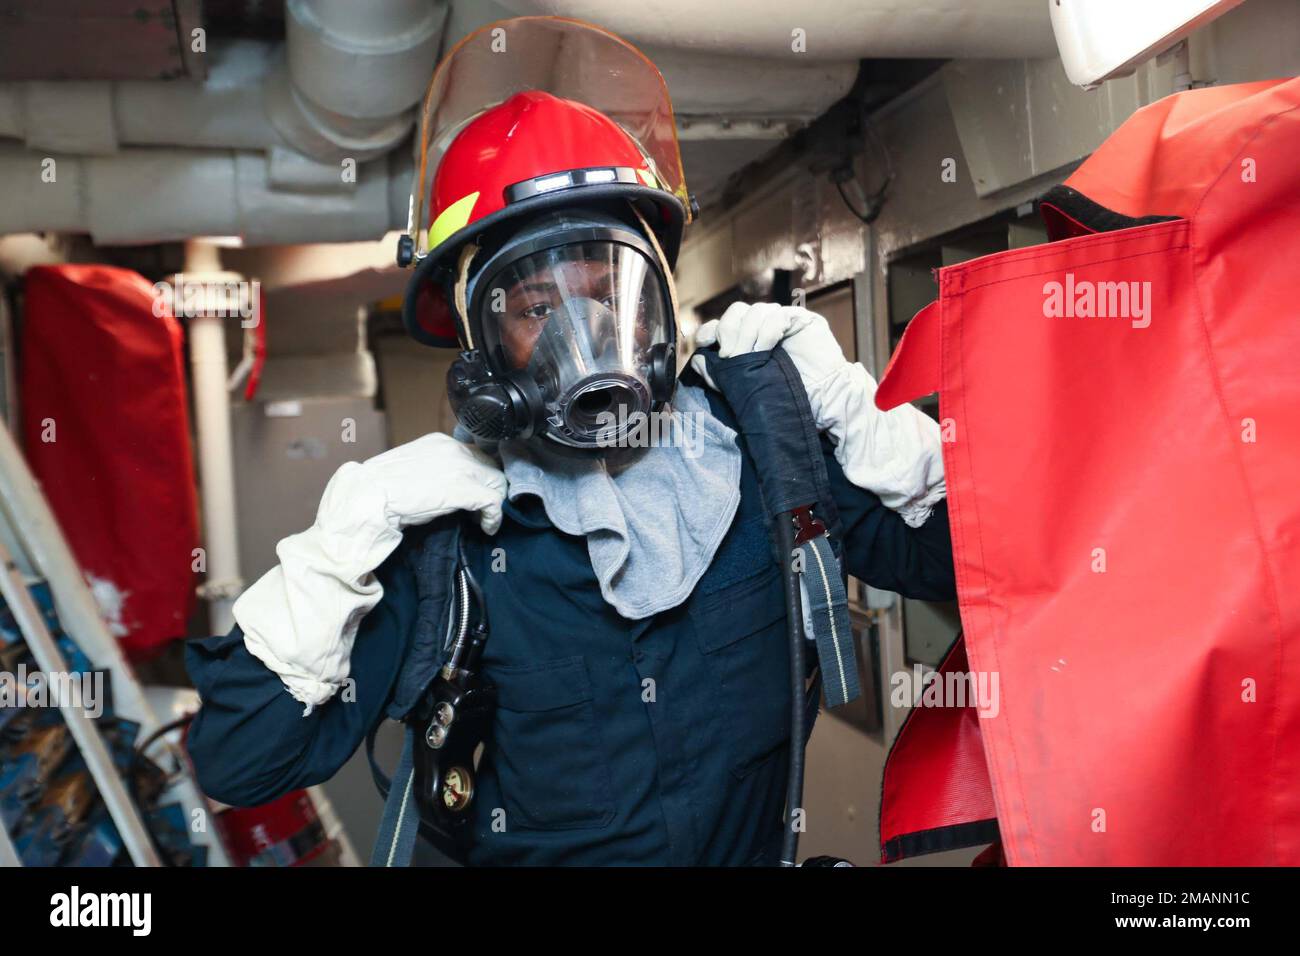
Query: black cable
x,y
160,732
798,714
874,204
869,131
136,756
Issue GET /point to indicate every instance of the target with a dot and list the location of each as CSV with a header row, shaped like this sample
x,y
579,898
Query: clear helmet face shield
x,y
567,58
588,326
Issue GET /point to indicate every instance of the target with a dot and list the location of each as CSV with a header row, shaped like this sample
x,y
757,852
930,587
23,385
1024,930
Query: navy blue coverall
x,y
660,741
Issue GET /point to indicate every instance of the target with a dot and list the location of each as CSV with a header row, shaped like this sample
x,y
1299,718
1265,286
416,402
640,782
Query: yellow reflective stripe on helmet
x,y
451,220
648,177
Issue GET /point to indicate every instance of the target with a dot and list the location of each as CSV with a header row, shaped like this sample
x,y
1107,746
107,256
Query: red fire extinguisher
x,y
285,832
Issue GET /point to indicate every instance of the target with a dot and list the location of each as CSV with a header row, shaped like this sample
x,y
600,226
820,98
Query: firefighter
x,y
637,641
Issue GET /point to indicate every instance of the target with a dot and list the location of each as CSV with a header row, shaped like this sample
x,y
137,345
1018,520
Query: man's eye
x,y
611,300
539,312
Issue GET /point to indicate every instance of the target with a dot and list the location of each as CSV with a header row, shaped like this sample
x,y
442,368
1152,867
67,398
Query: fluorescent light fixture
x,y
1103,39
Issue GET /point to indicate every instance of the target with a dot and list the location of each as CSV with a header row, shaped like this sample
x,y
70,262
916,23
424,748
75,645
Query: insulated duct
x,y
263,149
343,85
828,29
142,195
281,143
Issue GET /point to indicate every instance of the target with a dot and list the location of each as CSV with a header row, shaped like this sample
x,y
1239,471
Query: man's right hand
x,y
301,617
413,484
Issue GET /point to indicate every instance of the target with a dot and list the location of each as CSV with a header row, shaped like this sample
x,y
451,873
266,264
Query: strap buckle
x,y
806,524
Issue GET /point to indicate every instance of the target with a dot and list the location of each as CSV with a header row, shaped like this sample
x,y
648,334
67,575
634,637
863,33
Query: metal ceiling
x,y
98,39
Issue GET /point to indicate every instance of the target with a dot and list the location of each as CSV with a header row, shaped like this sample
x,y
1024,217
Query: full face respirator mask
x,y
570,333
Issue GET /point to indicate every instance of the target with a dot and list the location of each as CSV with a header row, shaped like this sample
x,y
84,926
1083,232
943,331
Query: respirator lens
x,y
580,320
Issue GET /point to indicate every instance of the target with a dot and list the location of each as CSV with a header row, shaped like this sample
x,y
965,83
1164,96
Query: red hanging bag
x,y
1124,415
106,432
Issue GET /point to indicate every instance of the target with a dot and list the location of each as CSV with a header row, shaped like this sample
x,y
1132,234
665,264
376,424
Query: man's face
x,y
532,301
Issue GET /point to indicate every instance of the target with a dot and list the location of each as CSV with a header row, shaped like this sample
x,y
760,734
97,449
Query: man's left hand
x,y
805,336
895,454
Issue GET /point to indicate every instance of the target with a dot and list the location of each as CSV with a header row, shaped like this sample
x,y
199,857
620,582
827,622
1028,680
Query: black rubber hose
x,y
798,713
133,789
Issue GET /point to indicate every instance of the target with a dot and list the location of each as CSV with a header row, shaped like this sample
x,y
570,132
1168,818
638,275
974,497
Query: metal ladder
x,y
33,550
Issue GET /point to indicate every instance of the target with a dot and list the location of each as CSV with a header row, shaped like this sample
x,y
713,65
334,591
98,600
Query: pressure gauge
x,y
457,789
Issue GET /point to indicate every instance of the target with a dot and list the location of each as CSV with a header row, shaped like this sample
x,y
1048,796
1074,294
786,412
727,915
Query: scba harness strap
x,y
767,394
395,843
826,620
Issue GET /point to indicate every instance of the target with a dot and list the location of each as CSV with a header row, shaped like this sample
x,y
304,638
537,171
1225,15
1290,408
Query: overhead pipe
x,y
356,71
166,195
262,148
207,340
257,148
345,84
828,29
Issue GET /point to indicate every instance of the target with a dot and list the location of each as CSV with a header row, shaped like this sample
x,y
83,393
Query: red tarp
x,y
103,375
1125,503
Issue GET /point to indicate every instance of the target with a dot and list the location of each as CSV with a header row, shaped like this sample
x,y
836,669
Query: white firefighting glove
x,y
301,617
895,454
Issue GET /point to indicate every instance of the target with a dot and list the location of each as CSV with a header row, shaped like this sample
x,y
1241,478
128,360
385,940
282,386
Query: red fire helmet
x,y
525,115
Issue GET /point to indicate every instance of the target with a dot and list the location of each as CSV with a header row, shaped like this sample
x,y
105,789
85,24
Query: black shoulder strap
x,y
771,407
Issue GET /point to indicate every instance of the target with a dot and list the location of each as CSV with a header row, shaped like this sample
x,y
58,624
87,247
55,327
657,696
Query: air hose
x,y
785,531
